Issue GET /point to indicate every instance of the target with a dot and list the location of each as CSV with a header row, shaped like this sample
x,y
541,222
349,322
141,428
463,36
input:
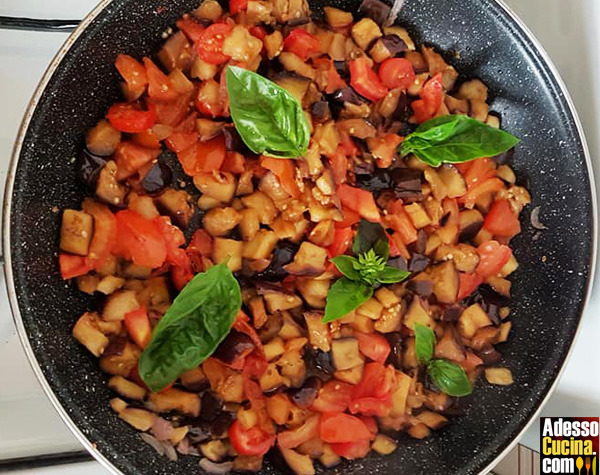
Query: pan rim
x,y
7,207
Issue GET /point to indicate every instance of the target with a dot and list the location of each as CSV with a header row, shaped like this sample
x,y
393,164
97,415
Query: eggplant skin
x,y
234,346
375,10
89,167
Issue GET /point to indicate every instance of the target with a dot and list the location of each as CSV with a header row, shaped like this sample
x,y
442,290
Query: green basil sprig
x,y
447,375
198,320
456,139
363,273
268,118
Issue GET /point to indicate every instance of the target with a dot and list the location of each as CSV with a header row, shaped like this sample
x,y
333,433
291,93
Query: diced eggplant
x,y
445,282
248,463
383,444
449,346
103,139
109,284
395,341
89,167
478,110
306,395
338,18
499,376
433,420
283,254
345,353
157,178
387,298
484,337
320,111
127,388
453,179
419,65
418,262
294,64
140,419
214,450
228,250
436,64
209,10
365,32
76,232
108,188
418,431
464,256
376,10
390,320
313,448
86,331
271,379
451,314
176,203
176,52
194,380
470,223
327,137
418,313
372,309
122,359
118,304
313,291
472,319
263,204
309,260
142,205
220,186
489,355
234,347
290,330
329,458
277,298
421,287
88,283
418,215
318,332
319,363
273,44
202,70
474,89
352,375
359,128
299,464
271,328
220,221
274,349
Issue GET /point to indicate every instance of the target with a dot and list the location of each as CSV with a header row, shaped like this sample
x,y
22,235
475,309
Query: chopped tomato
x,y
302,43
201,243
72,266
492,258
340,428
140,240
377,381
339,165
352,450
350,148
350,218
182,273
173,112
134,74
234,163
397,246
491,185
467,283
203,156
342,238
334,396
397,72
253,441
236,6
371,424
191,28
290,439
432,95
127,118
174,239
243,327
147,139
333,80
160,86
285,171
258,32
399,220
372,406
180,141
373,346
365,81
359,200
255,365
209,45
130,157
105,234
138,326
188,124
477,171
501,221
384,149
208,101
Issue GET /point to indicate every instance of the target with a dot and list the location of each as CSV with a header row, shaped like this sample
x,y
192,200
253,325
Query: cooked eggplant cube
x,y
338,18
76,232
472,319
298,463
345,353
470,223
108,188
176,203
308,261
121,361
140,419
175,400
445,282
260,246
376,10
103,139
499,376
126,388
220,221
383,444
228,250
118,304
418,314
262,204
87,333
365,32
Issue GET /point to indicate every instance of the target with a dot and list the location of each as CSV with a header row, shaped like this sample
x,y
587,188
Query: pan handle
x,y
35,24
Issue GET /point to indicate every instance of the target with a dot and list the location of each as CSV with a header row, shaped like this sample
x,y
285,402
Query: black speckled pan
x,y
550,287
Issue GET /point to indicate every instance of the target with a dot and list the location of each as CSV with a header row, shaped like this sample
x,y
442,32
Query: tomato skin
x,y
126,118
371,424
174,239
134,74
208,100
172,113
130,157
234,163
359,200
209,45
371,406
492,258
365,81
490,185
432,96
258,32
399,220
352,450
377,381
138,326
384,149
340,427
339,165
342,238
236,6
285,171
72,265
334,396
373,346
253,441
191,28
180,141
302,43
160,86
501,221
140,240
477,171
467,284
397,72
203,156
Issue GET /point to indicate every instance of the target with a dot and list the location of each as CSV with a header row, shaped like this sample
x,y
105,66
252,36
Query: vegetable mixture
x,y
302,230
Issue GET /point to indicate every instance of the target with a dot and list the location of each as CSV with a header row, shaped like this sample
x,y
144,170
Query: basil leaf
x,y
197,321
424,343
456,139
344,296
347,265
268,118
371,236
450,378
392,275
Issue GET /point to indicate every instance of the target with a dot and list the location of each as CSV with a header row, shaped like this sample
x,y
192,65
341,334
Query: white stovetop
x,y
28,424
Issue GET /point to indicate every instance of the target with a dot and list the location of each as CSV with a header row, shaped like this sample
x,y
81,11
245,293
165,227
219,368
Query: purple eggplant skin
x,y
398,262
395,356
469,232
235,345
375,10
211,407
423,288
320,111
418,263
283,254
347,94
394,44
451,314
489,355
157,179
89,167
318,364
306,395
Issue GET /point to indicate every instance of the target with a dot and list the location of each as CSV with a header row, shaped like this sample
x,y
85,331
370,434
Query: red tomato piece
x,y
243,327
209,45
234,163
491,185
371,424
147,139
334,81
138,326
253,441
203,156
334,396
191,28
478,171
134,74
373,346
350,148
377,381
290,439
359,200
302,43
130,157
201,243
255,365
180,141
174,239
371,406
350,219
399,220
397,72
208,101
285,171
160,86
258,32
501,221
72,266
432,95
339,165
140,240
127,118
384,149
352,450
467,283
183,273
105,234
236,6
492,258
365,81
172,113
340,428
342,238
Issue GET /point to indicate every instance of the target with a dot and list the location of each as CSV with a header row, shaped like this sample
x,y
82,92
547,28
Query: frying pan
x,y
550,287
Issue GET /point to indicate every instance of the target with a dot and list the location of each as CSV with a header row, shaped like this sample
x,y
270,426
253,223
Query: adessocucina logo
x,y
569,445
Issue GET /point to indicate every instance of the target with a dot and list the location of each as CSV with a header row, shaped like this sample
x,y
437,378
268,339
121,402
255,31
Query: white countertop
x,y
568,29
